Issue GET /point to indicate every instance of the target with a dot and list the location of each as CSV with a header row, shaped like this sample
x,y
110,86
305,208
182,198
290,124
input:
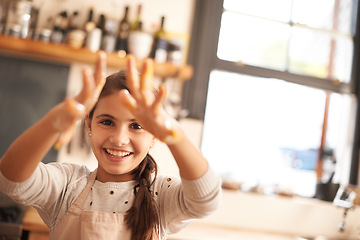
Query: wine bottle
x,y
64,26
159,49
93,33
101,23
108,42
137,24
123,33
90,24
57,36
74,22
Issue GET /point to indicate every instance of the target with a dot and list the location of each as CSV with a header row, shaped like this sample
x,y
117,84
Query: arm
x,y
192,164
148,110
56,127
22,157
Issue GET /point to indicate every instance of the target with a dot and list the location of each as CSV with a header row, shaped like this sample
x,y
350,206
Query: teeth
x,y
117,153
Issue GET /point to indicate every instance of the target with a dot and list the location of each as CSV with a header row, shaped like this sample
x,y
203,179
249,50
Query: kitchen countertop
x,y
199,231
195,231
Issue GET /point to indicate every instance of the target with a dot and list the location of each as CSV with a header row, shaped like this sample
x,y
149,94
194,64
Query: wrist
x,y
174,132
52,123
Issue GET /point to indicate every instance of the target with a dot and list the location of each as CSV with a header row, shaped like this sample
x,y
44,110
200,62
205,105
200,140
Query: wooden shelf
x,y
62,53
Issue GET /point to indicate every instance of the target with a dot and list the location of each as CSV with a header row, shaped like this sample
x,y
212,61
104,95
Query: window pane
x,y
343,59
345,15
246,43
321,48
273,9
309,53
267,131
321,14
318,14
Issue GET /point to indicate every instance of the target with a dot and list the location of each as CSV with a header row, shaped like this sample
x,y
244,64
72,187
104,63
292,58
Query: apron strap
x,y
79,202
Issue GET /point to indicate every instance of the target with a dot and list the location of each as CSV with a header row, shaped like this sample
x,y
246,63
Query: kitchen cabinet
x,y
62,53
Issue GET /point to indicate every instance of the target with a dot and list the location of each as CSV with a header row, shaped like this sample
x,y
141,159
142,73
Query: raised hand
x,y
146,105
73,109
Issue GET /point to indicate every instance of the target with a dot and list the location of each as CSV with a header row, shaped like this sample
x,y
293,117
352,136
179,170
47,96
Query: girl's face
x,y
117,140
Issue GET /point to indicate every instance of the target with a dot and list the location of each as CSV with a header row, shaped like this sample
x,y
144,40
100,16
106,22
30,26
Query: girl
x,y
123,198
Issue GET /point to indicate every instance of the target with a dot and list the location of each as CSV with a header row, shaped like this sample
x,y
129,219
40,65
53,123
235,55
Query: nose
x,y
120,136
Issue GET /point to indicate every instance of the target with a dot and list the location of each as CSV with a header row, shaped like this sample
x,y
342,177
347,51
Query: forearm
x,y
192,164
25,153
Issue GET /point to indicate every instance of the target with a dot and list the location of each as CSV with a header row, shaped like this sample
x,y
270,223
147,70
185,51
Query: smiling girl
x,y
123,198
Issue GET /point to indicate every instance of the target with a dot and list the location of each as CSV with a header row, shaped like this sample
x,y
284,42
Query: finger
x,y
98,88
132,78
88,86
76,109
128,100
100,68
158,103
65,137
146,78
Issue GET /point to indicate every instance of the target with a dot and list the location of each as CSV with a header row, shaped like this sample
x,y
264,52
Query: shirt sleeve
x,y
184,200
45,189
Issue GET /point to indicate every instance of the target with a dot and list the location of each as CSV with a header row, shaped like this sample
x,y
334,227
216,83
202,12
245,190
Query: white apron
x,y
79,224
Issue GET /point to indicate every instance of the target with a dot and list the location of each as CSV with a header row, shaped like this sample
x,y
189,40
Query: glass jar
x,y
18,18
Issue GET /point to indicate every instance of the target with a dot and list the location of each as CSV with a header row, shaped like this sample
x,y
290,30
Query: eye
x,y
135,126
107,122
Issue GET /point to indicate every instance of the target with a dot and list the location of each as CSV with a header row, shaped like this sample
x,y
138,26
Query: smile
x,y
117,153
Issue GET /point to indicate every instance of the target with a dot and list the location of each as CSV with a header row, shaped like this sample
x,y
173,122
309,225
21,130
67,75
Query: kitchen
x,y
243,213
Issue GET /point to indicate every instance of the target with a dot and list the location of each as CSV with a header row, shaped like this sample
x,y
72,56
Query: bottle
x,y
174,54
90,24
74,21
76,35
57,35
159,48
137,24
93,39
101,23
109,37
64,24
93,33
123,34
44,34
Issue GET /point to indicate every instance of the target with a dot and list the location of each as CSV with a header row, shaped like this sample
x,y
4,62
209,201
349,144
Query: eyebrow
x,y
112,117
105,115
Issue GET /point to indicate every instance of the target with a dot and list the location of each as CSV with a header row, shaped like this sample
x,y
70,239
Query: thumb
x,y
76,109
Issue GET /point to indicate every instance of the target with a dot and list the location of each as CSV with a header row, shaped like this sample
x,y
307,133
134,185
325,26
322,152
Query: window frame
x,y
203,57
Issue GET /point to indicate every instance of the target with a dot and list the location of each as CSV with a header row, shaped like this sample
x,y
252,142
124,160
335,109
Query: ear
x,y
153,141
88,124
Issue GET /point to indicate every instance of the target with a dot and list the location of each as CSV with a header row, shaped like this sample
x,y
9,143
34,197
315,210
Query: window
x,y
283,35
279,91
267,132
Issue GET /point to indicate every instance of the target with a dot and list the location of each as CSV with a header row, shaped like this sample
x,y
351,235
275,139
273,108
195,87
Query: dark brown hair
x,y
143,216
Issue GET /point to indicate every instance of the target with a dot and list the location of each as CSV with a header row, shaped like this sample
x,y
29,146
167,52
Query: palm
x,y
145,105
73,109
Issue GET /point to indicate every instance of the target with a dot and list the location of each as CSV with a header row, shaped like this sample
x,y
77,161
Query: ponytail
x,y
143,216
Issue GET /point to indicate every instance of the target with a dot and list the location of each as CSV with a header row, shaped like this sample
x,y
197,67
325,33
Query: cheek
x,y
98,136
142,143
